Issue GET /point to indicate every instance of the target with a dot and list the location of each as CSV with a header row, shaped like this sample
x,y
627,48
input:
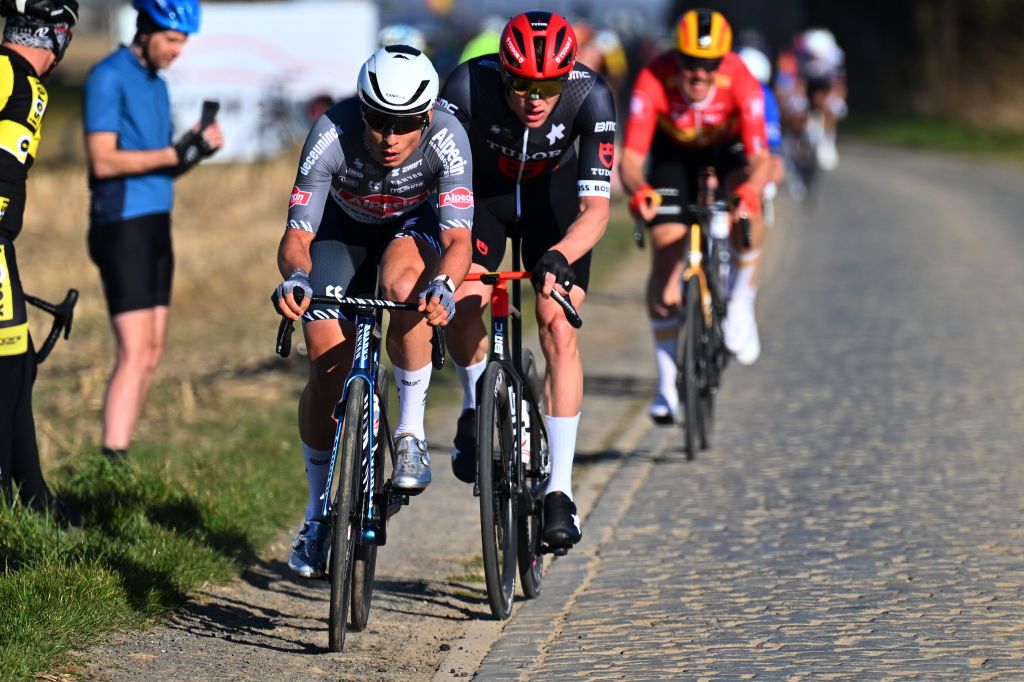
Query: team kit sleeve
x,y
322,156
646,102
455,201
101,110
596,123
750,101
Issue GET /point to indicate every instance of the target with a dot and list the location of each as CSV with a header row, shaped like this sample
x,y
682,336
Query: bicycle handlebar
x,y
63,316
286,327
571,313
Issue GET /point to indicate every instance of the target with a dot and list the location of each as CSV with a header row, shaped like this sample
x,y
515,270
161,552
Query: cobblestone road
x,y
861,512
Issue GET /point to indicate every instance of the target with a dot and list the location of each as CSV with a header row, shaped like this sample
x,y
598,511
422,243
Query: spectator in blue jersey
x,y
133,162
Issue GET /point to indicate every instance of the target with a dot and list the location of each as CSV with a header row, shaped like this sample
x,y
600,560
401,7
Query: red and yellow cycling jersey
x,y
734,106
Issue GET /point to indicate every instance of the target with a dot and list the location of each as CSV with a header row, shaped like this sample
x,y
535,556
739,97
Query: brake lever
x,y
571,313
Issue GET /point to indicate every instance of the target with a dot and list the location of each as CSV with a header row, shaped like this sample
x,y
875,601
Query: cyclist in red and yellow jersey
x,y
695,106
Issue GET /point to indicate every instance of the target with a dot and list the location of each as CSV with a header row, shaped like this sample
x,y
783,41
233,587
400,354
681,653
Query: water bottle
x,y
525,445
720,221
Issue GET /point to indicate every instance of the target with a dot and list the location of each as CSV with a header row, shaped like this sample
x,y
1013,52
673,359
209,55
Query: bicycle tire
x,y
531,521
495,453
344,535
365,560
686,357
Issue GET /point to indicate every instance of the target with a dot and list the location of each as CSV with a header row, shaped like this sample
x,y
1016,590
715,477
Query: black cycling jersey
x,y
506,153
336,163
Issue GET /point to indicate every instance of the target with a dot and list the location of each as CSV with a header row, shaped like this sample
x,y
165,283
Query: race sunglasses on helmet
x,y
694,63
526,86
400,125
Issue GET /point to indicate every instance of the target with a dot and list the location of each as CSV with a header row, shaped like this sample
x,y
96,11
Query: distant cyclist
x,y
133,161
695,106
362,197
402,34
35,38
542,129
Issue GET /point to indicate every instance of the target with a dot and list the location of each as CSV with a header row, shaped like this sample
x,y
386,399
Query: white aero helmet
x,y
820,44
757,63
398,80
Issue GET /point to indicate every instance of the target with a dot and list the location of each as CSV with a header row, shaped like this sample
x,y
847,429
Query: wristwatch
x,y
447,281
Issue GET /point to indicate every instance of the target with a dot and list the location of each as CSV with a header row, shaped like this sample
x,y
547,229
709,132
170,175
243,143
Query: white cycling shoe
x,y
741,336
663,411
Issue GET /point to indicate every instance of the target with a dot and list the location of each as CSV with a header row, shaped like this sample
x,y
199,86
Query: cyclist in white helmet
x,y
362,197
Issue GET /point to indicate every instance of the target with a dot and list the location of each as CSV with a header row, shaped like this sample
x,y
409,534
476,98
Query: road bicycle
x,y
701,355
63,316
513,462
358,501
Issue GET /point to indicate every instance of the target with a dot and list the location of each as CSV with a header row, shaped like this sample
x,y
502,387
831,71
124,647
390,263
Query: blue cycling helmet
x,y
172,15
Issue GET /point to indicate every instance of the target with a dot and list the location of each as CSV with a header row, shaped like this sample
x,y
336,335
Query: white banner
x,y
265,63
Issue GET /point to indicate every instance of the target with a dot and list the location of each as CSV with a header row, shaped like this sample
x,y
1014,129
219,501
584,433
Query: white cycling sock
x,y
412,399
562,442
468,376
317,464
743,289
665,356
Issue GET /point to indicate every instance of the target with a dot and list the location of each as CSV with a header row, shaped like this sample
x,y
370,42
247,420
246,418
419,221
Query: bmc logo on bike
x,y
299,197
460,197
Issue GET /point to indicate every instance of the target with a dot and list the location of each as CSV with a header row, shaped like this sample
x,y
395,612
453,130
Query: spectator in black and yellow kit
x,y
35,38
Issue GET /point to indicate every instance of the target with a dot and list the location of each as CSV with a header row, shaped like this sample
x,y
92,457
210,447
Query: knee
x,y
405,285
557,336
324,386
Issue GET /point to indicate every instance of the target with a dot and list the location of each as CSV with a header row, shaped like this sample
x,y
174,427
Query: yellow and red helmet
x,y
703,34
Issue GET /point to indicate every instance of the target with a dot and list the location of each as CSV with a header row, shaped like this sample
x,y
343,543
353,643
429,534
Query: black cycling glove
x,y
558,265
192,148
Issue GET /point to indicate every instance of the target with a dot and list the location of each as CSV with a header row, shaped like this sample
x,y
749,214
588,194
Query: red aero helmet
x,y
538,45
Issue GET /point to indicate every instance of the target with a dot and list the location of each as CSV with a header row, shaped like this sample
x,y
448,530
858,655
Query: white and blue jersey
x,y
124,97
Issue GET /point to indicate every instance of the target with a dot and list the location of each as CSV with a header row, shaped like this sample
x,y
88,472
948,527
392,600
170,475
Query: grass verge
x,y
937,134
161,525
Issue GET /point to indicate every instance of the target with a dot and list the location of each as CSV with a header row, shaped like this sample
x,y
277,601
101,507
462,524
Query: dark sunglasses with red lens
x,y
400,125
694,63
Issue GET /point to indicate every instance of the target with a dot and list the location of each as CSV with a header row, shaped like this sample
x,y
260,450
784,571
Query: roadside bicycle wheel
x,y
350,455
365,560
686,358
496,473
531,518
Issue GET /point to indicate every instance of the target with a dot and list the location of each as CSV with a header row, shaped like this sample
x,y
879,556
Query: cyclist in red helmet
x,y
525,109
694,106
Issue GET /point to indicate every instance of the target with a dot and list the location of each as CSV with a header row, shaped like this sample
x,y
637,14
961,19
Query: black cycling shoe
x,y
561,523
67,517
464,452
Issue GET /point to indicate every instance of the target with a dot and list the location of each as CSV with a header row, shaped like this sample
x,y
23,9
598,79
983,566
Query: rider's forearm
x,y
293,252
586,230
631,171
458,254
760,171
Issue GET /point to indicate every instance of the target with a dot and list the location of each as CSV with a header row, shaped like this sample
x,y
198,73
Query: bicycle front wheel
x,y
686,357
365,560
531,519
350,455
496,472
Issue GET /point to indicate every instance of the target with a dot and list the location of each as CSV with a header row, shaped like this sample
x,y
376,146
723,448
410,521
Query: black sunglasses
x,y
400,125
694,63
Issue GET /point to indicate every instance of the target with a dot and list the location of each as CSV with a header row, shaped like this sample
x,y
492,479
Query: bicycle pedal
x,y
557,551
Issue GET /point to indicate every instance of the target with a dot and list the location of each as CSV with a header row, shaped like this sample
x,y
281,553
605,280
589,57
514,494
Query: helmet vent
x,y
401,50
538,51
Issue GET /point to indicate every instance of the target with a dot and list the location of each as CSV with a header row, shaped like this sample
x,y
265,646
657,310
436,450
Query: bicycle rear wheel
x,y
531,519
686,358
365,561
496,473
350,456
